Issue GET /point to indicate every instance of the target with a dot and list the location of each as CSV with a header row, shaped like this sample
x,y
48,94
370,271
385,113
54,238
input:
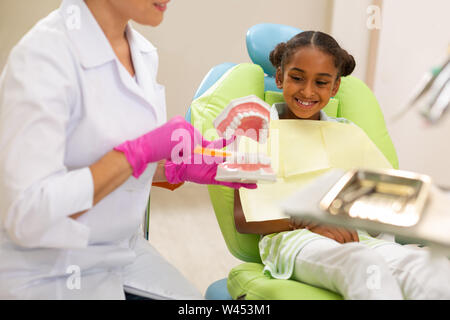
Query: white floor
x,y
184,229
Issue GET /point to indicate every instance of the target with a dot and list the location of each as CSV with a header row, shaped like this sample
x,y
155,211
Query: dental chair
x,y
228,81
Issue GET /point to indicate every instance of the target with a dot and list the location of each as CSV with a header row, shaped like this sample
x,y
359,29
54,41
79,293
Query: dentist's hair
x,y
343,61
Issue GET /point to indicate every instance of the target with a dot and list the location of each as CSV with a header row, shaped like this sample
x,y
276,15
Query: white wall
x,y
195,35
414,37
18,16
349,28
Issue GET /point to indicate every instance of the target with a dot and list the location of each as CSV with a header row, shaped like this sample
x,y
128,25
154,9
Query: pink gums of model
x,y
247,116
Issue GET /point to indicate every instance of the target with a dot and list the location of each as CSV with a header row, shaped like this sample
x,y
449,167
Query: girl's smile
x,y
302,103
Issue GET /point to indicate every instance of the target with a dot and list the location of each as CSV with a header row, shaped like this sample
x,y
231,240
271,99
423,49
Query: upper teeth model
x,y
248,116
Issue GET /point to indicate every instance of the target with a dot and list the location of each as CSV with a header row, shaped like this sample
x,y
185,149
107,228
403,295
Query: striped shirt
x,y
279,250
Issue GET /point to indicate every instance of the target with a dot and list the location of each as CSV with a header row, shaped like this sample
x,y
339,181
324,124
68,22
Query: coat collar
x,y
93,50
92,46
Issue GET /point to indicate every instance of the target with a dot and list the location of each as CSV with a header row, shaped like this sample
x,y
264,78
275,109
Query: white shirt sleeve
x,y
37,192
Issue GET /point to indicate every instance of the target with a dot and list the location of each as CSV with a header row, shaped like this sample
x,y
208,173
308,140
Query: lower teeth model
x,y
248,116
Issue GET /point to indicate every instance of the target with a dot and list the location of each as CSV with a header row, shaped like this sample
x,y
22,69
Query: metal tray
x,y
387,196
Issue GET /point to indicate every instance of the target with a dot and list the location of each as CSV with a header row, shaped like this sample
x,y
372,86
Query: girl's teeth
x,y
305,103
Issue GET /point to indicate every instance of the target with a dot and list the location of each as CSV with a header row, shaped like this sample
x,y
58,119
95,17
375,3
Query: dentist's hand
x,y
166,142
202,173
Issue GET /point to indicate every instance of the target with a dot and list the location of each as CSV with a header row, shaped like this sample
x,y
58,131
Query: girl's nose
x,y
307,91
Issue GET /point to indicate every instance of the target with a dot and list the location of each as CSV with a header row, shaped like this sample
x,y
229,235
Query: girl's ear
x,y
337,84
279,78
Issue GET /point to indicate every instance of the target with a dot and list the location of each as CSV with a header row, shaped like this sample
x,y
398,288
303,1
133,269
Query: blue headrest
x,y
261,40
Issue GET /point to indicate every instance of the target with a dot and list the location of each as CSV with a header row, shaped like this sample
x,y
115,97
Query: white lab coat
x,y
65,101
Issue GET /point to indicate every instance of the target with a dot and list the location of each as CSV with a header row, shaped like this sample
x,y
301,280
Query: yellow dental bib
x,y
301,150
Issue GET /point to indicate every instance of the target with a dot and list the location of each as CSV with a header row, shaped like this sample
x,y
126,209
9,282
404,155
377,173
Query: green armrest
x,y
242,80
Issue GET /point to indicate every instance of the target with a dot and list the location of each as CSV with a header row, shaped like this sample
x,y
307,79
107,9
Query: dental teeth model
x,y
248,116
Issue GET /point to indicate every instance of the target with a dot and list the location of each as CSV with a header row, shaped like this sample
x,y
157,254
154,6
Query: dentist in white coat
x,y
79,105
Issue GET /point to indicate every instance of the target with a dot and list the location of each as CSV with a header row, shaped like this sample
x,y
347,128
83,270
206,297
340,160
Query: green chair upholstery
x,y
248,281
353,101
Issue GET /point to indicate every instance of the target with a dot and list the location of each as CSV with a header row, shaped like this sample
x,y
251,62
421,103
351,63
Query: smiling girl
x,y
309,68
308,77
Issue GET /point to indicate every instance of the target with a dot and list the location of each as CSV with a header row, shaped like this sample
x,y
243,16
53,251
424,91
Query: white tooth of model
x,y
228,133
231,129
263,159
260,159
263,133
240,158
253,158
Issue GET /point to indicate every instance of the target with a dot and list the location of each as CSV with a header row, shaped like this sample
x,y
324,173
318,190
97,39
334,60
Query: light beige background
x,y
414,37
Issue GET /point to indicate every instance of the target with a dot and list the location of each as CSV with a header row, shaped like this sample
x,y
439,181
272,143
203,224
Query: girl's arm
x,y
257,227
341,235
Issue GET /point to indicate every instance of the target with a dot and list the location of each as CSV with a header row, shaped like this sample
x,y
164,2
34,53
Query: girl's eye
x,y
296,78
322,83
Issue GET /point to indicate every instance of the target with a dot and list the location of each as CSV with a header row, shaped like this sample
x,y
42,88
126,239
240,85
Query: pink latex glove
x,y
202,173
166,142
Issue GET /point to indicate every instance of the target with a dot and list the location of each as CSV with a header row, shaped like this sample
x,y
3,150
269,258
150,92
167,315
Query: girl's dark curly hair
x,y
281,55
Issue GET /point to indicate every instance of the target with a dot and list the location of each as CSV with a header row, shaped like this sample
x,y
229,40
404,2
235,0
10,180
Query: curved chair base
x,y
218,291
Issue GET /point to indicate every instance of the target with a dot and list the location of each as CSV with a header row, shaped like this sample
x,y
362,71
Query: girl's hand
x,y
338,234
302,224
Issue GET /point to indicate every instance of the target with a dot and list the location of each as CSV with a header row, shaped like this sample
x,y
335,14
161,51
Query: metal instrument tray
x,y
387,196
